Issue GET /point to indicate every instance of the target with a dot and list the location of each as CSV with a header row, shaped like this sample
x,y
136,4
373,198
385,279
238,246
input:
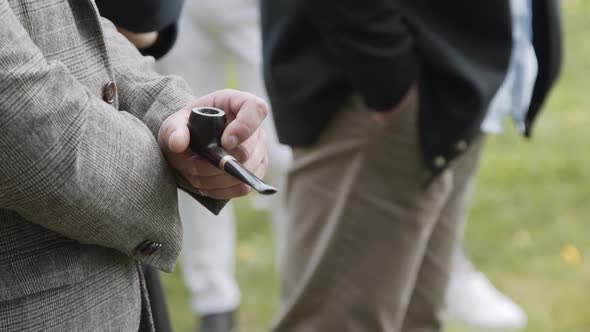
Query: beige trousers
x,y
370,232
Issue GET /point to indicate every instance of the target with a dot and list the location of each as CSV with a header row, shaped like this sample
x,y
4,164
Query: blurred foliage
x,y
528,228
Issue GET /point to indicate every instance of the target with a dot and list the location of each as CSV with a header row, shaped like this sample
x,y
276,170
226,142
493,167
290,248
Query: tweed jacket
x,y
85,192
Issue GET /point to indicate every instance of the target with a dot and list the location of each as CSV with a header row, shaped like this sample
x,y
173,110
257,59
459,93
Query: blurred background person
x,y
213,35
209,37
328,65
473,300
469,290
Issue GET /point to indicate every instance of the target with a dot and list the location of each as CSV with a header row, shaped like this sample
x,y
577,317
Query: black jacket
x,y
146,16
318,53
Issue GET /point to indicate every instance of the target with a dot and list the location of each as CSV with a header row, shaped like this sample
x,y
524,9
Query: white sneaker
x,y
473,300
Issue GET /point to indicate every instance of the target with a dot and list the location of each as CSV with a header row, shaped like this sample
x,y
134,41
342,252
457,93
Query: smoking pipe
x,y
206,124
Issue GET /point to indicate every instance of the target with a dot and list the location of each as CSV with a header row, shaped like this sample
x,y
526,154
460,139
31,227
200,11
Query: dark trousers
x,y
157,300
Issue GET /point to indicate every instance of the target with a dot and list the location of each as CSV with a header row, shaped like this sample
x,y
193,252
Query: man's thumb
x,y
178,140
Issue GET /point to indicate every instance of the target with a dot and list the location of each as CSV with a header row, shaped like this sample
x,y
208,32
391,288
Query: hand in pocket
x,y
384,118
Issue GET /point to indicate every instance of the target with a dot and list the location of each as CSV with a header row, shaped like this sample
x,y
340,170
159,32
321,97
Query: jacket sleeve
x,y
373,45
148,95
142,92
73,164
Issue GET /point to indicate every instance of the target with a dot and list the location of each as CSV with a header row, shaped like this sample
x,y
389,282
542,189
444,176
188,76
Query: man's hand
x,y
384,118
140,40
243,138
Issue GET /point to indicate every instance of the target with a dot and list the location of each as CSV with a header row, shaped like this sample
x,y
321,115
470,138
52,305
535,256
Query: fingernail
x,y
231,142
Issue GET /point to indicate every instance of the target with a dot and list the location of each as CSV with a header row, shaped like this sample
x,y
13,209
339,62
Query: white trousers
x,y
213,33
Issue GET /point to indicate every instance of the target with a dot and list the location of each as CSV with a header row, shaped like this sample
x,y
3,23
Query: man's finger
x,y
244,151
174,134
205,168
179,140
181,162
248,118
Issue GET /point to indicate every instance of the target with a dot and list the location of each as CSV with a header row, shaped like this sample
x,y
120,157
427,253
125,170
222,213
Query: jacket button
x,y
461,146
109,92
439,162
147,247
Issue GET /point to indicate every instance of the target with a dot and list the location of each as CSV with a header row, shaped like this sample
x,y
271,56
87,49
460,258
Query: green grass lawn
x,y
528,222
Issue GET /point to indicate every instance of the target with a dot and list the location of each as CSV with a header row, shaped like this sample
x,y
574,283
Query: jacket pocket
x,y
41,271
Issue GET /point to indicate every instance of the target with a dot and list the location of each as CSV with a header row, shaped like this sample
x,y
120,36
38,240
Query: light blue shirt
x,y
514,96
